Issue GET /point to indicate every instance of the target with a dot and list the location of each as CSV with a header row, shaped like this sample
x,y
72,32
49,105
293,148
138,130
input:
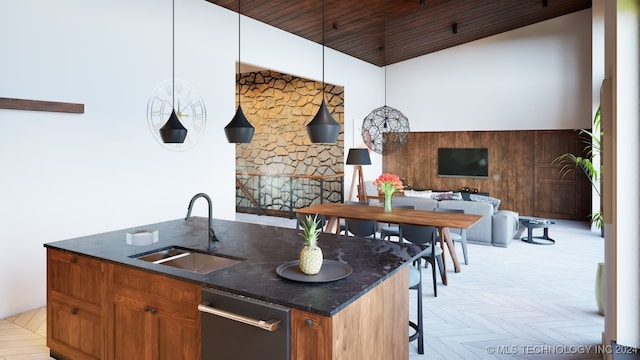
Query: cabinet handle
x,y
308,322
269,325
74,260
74,311
146,308
154,310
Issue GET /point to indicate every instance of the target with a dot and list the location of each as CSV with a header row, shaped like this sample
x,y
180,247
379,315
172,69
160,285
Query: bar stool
x,y
415,283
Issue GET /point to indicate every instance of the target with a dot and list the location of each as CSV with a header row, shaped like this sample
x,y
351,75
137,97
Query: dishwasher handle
x,y
269,325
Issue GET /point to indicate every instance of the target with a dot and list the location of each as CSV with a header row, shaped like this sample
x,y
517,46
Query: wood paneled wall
x,y
521,172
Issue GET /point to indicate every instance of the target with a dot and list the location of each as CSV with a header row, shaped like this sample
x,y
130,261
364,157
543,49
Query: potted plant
x,y
592,151
311,255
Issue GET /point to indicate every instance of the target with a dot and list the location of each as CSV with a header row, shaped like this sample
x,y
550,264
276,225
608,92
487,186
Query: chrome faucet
x,y
212,235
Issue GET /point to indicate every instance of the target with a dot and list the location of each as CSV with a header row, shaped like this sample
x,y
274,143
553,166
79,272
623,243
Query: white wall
x,y
69,175
535,77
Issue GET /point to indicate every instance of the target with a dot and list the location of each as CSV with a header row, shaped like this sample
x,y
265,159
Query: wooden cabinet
x,y
368,328
75,311
97,310
154,317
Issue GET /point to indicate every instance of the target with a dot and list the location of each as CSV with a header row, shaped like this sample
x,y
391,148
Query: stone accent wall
x,y
280,106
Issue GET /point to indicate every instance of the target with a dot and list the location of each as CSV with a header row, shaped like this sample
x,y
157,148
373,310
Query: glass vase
x,y
387,203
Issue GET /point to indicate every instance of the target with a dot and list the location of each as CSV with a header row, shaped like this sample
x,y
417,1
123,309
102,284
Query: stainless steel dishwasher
x,y
236,327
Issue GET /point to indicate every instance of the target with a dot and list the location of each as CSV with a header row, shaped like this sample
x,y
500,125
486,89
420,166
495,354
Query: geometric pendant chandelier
x,y
385,129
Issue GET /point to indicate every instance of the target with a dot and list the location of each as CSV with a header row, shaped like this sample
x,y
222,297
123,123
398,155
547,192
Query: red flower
x,y
388,183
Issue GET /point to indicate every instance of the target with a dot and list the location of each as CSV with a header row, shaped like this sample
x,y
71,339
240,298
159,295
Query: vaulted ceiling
x,y
409,28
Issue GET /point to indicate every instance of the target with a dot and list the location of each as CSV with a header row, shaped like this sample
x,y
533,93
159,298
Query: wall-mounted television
x,y
463,162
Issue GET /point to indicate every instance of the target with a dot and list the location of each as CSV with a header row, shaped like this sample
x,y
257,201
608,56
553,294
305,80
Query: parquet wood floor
x,y
521,302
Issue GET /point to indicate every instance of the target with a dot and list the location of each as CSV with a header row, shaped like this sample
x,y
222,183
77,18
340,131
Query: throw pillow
x,y
418,194
447,196
486,199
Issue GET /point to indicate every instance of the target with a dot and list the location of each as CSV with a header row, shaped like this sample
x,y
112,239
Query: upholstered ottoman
x,y
505,225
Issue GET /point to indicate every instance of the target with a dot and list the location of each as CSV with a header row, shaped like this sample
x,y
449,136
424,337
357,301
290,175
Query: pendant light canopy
x,y
323,128
173,132
239,130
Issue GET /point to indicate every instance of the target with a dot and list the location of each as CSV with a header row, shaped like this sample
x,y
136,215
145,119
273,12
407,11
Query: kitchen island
x,y
114,301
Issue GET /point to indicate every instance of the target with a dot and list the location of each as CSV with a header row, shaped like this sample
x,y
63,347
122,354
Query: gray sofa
x,y
495,229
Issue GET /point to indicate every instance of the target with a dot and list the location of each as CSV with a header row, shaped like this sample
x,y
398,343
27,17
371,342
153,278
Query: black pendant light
x,y
172,131
323,128
239,130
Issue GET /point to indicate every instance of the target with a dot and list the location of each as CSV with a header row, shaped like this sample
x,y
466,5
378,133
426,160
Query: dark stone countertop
x,y
264,248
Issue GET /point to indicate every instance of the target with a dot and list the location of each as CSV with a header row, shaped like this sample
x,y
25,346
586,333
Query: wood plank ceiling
x,y
410,28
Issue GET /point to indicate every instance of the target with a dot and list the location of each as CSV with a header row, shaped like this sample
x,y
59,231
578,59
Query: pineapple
x,y
311,254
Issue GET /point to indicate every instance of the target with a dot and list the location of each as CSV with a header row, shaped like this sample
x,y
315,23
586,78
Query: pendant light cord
x,y
385,53
237,84
173,55
323,50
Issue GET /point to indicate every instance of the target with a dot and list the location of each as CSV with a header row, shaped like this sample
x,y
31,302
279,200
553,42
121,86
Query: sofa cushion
x,y
481,232
486,199
417,203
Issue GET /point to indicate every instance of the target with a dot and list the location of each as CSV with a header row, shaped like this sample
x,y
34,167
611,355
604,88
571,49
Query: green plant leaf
x,y
569,162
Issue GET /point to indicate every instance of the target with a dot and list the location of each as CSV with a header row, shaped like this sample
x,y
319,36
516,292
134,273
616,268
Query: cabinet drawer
x,y
76,276
173,290
74,329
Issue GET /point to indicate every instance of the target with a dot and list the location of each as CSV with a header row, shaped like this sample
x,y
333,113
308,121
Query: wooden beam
x,y
38,105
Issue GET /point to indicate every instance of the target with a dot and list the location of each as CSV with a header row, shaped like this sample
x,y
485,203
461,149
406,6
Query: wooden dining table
x,y
441,220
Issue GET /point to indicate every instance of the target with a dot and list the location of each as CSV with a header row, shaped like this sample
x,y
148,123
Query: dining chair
x,y
386,232
457,235
425,235
341,222
363,228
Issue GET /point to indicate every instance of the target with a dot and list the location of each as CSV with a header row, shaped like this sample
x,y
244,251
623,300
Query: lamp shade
x,y
172,132
358,157
239,130
385,130
323,128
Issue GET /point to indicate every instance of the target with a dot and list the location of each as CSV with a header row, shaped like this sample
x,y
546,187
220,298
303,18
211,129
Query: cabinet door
x,y
178,336
75,292
132,333
155,317
556,196
311,336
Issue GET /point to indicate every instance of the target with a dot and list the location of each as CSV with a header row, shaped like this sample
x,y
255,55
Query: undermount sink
x,y
187,259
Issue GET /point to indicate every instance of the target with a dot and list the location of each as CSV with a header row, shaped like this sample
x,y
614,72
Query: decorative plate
x,y
331,270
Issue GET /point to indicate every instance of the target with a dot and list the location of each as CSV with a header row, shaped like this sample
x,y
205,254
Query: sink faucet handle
x,y
212,235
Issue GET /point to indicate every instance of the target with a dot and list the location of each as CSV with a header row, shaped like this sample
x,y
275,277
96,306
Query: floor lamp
x,y
358,157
